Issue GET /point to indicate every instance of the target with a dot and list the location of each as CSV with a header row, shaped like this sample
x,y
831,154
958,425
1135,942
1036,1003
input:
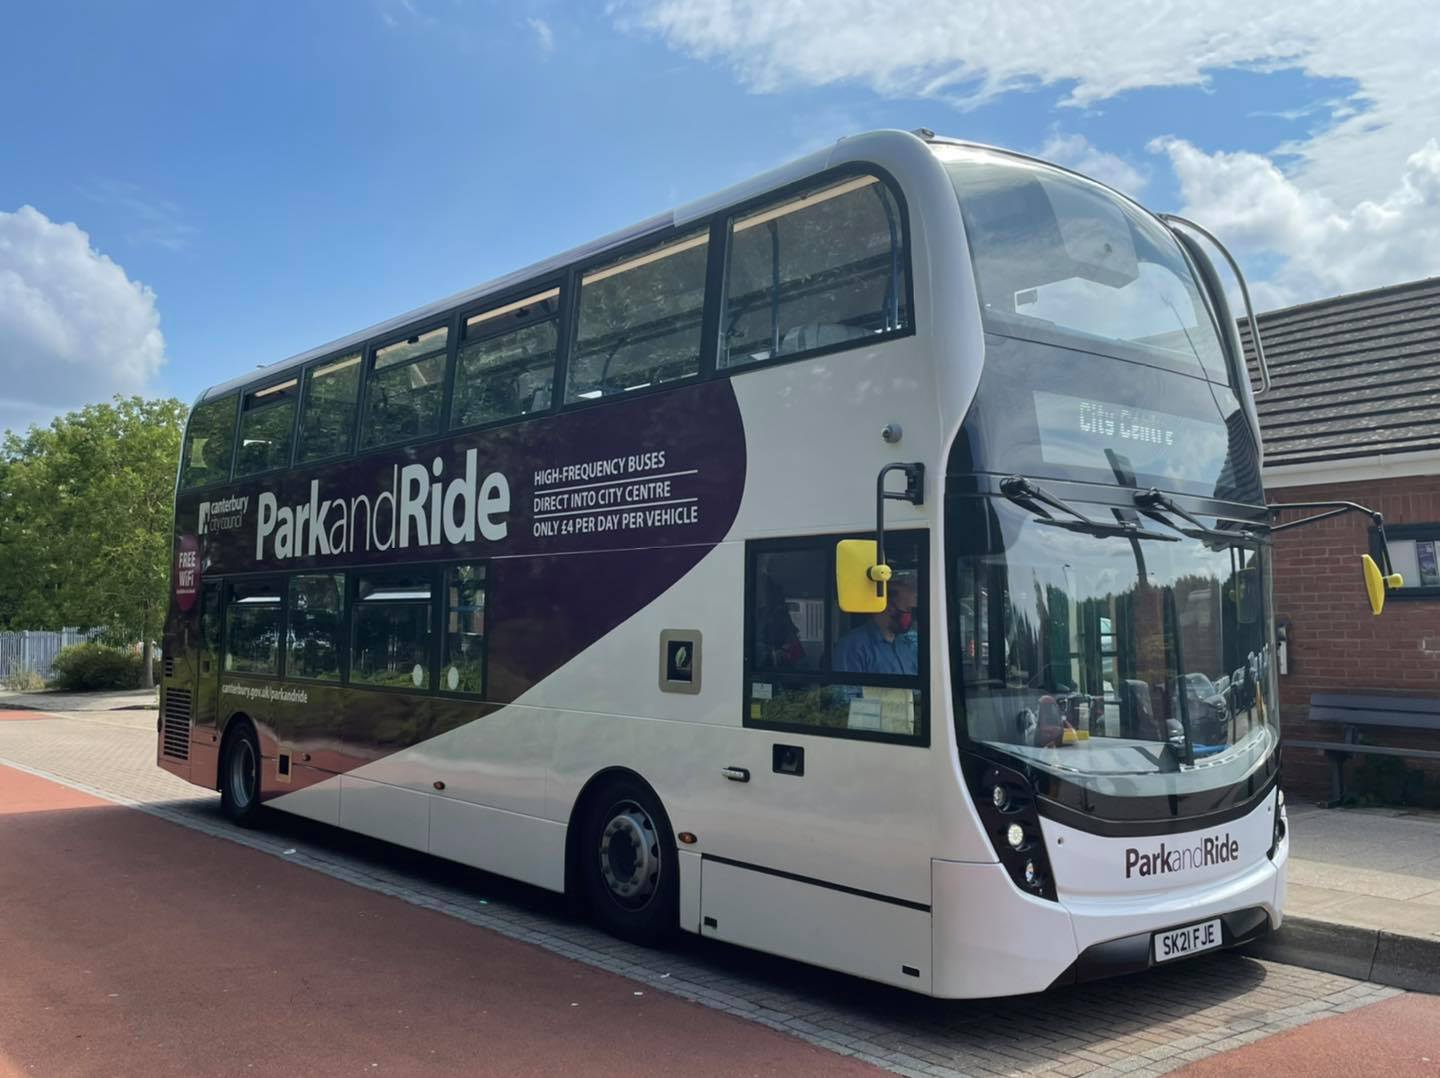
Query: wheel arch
x,y
597,782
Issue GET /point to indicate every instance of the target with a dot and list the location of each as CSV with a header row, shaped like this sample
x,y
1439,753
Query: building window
x,y
327,418
317,604
464,667
1415,555
506,364
252,627
391,630
640,321
209,443
815,270
816,669
267,427
406,389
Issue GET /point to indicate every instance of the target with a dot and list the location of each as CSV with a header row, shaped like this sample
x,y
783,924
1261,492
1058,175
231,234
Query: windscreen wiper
x,y
1031,496
1152,501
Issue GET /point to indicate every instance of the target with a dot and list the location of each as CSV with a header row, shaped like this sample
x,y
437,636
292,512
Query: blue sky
x,y
263,178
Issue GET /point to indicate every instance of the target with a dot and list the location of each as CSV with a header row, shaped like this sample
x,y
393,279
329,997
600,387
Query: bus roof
x,y
679,216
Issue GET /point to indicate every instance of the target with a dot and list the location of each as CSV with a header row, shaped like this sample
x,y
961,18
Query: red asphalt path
x,y
1396,1038
132,946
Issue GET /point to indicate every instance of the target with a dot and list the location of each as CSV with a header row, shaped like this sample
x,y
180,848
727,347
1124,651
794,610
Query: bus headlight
x,y
1005,801
1282,825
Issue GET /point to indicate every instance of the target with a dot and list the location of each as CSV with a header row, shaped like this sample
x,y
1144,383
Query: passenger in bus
x,y
779,643
884,643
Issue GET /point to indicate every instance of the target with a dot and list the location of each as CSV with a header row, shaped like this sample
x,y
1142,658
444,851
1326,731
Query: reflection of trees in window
x,y
464,666
209,443
391,631
817,269
267,426
506,367
252,629
316,605
405,389
328,417
640,320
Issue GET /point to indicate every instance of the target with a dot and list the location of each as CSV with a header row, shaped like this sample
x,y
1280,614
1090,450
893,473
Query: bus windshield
x,y
1134,667
1062,260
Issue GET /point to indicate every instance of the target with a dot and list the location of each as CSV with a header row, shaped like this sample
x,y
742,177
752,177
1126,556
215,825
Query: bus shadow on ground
x,y
780,989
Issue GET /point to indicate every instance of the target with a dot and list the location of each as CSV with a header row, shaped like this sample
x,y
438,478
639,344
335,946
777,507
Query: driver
x,y
883,643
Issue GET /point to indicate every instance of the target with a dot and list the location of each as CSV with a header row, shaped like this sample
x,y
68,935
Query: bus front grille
x,y
175,724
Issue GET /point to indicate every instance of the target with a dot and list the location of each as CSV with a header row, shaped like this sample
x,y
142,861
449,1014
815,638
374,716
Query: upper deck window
x,y
815,270
267,427
1061,260
327,418
506,365
640,320
405,389
209,443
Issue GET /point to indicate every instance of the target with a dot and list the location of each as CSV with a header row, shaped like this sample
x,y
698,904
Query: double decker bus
x,y
867,564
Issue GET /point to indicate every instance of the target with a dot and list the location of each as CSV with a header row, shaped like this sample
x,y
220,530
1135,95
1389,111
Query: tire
x,y
240,777
629,866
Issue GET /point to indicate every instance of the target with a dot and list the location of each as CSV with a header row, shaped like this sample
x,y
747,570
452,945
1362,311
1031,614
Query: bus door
x,y
207,665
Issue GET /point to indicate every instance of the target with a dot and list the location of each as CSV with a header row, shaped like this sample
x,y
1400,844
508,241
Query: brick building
x,y
1354,414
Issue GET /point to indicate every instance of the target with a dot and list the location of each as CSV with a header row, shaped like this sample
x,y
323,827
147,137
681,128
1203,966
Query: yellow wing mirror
x,y
1377,583
860,577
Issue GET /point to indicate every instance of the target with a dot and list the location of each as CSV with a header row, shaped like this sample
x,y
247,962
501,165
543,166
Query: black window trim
x,y
570,333
561,318
249,392
819,181
361,353
342,642
1407,531
920,682
227,600
450,322
442,604
181,486
568,280
352,588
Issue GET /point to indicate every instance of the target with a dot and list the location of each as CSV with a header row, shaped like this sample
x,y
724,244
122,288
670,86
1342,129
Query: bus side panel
x,y
521,847
880,940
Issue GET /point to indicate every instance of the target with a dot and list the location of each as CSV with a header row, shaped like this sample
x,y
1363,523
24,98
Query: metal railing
x,y
35,651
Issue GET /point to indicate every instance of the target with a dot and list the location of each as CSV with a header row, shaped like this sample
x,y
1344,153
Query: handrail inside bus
x,y
1173,220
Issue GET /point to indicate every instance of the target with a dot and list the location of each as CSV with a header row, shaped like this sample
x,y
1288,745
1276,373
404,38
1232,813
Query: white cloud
x,y
73,327
1089,50
1324,247
1076,151
544,36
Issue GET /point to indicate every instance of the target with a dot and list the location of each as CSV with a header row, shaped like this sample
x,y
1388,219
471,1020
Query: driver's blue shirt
x,y
864,650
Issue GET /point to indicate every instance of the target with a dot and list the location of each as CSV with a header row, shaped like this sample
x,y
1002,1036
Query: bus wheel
x,y
630,866
240,778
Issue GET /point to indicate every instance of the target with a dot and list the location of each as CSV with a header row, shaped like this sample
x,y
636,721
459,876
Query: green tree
x,y
86,518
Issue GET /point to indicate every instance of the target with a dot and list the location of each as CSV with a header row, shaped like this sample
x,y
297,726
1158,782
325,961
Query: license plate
x,y
1192,939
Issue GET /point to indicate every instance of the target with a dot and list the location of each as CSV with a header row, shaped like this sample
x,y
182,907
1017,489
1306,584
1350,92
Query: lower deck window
x,y
391,630
252,627
815,668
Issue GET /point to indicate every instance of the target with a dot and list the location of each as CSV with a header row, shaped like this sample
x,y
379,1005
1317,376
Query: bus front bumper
x,y
990,939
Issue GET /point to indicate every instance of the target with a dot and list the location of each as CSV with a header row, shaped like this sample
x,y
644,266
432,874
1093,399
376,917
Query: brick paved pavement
x,y
1145,1025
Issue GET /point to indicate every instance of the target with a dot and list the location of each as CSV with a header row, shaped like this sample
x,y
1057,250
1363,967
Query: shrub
x,y
24,680
93,667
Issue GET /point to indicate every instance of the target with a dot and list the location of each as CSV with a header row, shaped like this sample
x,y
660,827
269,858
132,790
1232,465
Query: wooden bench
x,y
1358,712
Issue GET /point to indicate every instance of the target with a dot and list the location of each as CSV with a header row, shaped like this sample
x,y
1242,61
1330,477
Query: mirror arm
x,y
1335,509
914,493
